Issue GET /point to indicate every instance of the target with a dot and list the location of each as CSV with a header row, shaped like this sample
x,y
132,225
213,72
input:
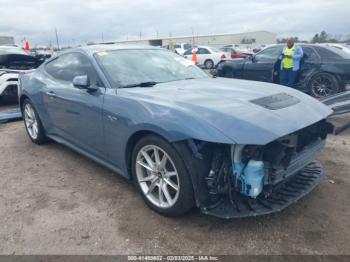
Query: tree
x,y
315,39
323,37
285,39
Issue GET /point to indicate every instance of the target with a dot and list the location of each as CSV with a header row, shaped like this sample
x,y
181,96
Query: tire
x,y
166,187
323,85
32,123
209,64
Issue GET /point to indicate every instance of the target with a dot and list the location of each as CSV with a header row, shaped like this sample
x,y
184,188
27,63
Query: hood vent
x,y
277,101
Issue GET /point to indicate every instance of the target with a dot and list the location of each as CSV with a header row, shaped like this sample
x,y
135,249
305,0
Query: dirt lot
x,y
55,201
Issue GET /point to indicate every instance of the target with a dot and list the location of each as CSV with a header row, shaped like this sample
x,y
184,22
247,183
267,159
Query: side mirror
x,y
252,58
82,82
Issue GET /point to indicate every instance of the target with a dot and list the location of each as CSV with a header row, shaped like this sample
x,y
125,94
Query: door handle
x,y
51,94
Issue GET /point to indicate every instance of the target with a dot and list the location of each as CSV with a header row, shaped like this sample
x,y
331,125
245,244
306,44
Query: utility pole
x,y
58,45
102,37
140,35
192,37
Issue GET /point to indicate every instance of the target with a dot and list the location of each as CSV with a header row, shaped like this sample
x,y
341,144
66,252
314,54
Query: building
x,y
217,40
7,40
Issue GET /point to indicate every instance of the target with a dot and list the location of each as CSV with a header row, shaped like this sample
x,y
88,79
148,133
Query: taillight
x,y
223,56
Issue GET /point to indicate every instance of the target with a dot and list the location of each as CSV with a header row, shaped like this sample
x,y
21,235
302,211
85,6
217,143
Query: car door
x,y
310,64
262,65
75,114
202,55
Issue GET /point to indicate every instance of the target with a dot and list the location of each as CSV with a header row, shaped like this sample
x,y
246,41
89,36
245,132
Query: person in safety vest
x,y
290,63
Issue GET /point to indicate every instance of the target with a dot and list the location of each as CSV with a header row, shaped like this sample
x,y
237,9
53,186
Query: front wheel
x,y
323,85
33,124
161,176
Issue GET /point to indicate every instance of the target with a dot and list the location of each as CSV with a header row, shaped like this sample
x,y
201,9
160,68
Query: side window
x,y
329,52
271,53
203,51
187,46
310,54
70,65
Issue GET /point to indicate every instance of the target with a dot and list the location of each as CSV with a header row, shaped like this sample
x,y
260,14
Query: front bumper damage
x,y
286,170
283,194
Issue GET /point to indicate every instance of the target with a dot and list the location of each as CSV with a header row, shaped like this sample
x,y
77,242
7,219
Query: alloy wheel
x,y
157,176
31,121
322,86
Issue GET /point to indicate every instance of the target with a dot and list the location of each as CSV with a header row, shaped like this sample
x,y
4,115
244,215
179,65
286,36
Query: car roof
x,y
317,47
92,49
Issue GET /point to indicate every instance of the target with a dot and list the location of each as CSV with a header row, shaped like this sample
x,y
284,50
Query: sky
x,y
82,21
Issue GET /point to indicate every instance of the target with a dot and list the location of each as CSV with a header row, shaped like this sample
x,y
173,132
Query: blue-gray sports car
x,y
233,148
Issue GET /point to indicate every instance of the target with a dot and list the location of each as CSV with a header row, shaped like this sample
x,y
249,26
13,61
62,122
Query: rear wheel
x,y
161,177
324,84
33,124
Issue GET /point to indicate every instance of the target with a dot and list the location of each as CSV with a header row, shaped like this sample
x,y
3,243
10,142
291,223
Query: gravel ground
x,y
55,201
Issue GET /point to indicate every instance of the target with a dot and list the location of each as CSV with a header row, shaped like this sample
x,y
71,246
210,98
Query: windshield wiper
x,y
142,84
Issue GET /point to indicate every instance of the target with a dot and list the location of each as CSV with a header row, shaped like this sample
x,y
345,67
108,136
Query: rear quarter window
x,y
332,53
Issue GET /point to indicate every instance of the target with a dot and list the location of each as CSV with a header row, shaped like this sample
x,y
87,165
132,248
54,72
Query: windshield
x,y
134,66
187,46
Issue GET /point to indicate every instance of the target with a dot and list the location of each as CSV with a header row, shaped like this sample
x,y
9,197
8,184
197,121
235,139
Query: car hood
x,y
18,62
247,112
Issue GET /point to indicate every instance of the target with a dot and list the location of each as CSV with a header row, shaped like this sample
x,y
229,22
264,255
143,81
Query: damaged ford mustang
x,y
233,148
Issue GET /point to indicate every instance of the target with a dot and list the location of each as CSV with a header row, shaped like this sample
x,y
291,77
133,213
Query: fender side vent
x,y
277,101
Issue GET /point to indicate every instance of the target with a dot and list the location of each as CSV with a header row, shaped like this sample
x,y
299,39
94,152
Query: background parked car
x,y
207,56
324,70
13,60
181,48
233,53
